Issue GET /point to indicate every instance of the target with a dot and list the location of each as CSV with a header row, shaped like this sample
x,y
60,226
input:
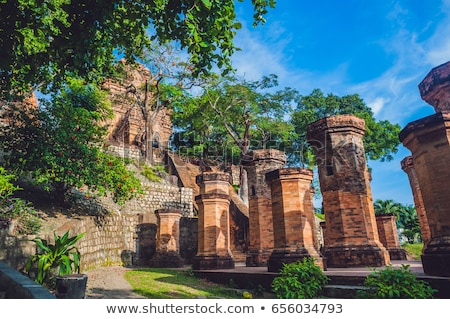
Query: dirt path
x,y
109,283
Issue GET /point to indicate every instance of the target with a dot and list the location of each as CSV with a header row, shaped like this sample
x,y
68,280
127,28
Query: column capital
x,y
338,123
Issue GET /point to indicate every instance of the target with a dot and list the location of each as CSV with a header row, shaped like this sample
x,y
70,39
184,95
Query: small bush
x,y
152,173
391,283
300,280
27,220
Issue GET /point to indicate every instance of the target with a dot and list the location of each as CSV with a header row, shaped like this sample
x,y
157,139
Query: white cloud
x,y
377,104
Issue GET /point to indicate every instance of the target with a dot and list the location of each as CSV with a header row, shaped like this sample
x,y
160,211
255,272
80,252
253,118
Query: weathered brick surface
x,y
387,232
407,165
257,163
213,250
428,141
351,232
435,88
127,127
167,239
294,223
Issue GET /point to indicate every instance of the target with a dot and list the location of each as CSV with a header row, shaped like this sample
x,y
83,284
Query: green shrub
x,y
17,209
6,187
299,280
152,172
28,221
390,283
60,258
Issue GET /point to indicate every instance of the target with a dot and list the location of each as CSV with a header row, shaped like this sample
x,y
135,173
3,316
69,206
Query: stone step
x,y
341,291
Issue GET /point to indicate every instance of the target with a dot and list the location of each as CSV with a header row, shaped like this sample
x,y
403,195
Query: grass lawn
x,y
413,250
163,283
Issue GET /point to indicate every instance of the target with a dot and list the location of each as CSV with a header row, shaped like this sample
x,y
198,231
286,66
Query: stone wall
x,y
14,250
114,234
161,195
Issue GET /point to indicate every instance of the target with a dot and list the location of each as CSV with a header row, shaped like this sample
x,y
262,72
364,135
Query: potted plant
x,y
57,265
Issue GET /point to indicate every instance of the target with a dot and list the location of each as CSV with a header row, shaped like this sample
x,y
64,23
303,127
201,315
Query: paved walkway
x,y
109,283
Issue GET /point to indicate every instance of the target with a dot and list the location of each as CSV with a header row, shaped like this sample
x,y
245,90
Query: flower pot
x,y
71,286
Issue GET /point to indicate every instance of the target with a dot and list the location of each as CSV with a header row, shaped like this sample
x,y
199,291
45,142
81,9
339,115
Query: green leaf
x,y
207,4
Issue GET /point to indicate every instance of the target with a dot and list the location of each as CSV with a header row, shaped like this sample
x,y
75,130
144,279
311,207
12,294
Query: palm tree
x,y
409,222
387,207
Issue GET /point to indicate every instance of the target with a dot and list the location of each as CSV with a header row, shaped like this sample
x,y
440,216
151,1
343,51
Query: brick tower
x,y
213,250
294,223
351,229
429,143
257,163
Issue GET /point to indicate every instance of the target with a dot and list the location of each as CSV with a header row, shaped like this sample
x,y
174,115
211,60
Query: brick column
x,y
408,167
294,223
387,232
428,141
257,163
352,235
213,250
168,239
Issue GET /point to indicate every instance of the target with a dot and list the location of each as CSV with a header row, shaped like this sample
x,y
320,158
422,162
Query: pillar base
x,y
166,260
436,257
280,257
397,254
257,258
356,256
212,262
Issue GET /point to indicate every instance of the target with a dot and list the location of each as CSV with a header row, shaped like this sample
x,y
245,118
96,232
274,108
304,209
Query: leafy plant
x,y
60,154
300,280
11,208
23,212
6,187
151,172
395,283
60,258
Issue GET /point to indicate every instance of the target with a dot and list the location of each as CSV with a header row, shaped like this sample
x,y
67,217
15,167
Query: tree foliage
x,y
232,116
43,41
61,143
380,139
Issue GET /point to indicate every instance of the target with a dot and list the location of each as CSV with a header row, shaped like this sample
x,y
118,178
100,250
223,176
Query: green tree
x,y
43,41
236,116
409,223
380,139
60,144
387,207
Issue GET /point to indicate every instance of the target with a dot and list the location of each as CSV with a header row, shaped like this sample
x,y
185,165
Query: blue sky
x,y
380,50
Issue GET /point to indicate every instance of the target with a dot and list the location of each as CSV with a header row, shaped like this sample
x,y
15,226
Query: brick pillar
x,y
257,163
168,239
213,251
408,167
387,232
294,223
352,235
428,141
